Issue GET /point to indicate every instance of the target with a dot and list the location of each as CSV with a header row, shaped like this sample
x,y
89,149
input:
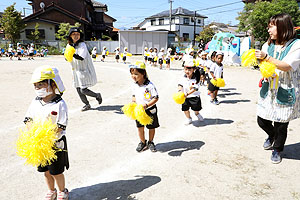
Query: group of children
x,y
20,51
152,56
105,53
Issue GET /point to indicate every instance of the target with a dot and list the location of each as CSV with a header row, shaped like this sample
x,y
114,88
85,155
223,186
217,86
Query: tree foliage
x,y
35,35
12,23
255,16
207,34
63,31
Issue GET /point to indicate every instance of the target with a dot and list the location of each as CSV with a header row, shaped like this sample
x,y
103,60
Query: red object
x,y
53,113
206,46
260,82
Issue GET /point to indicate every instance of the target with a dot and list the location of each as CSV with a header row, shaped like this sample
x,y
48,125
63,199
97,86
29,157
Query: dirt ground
x,y
220,158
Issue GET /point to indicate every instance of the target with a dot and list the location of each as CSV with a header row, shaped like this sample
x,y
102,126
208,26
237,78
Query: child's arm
x,y
133,99
150,103
212,74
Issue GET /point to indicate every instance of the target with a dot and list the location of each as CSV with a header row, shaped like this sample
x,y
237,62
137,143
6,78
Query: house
x,y
184,23
225,28
50,13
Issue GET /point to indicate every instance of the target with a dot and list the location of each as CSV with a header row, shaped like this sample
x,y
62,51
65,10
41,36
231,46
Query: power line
x,y
223,5
223,11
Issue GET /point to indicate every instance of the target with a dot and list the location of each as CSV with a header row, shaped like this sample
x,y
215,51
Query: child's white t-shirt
x,y
104,52
160,55
94,52
31,50
216,70
187,84
19,49
144,93
117,52
168,55
38,110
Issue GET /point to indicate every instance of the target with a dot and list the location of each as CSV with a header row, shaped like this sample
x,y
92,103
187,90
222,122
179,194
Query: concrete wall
x,y
49,30
136,41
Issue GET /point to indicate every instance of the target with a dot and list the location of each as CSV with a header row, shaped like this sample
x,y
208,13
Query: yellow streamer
x,y
37,143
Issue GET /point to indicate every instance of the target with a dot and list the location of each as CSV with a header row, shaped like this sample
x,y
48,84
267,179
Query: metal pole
x,y
170,20
194,29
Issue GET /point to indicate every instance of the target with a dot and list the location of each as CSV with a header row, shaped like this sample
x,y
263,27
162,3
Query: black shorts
x,y
150,59
62,161
117,57
19,53
152,112
160,61
94,56
103,56
146,57
124,58
30,54
167,60
194,103
211,87
202,72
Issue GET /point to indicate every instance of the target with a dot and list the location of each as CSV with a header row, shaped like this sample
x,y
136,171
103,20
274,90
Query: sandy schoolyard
x,y
220,158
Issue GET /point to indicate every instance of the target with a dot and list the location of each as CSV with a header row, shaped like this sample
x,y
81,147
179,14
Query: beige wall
x,y
49,30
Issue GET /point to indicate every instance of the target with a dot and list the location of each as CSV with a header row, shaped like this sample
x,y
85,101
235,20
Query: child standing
x,y
10,51
161,57
31,52
203,63
125,54
150,57
154,55
117,56
168,58
19,51
104,51
94,53
49,88
145,93
189,85
145,54
215,71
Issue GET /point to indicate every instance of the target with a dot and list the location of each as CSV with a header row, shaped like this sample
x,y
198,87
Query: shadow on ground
x,y
292,151
116,108
176,148
234,101
209,121
121,189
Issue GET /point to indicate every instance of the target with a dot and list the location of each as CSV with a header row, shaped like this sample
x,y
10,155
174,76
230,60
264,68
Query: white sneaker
x,y
200,118
188,121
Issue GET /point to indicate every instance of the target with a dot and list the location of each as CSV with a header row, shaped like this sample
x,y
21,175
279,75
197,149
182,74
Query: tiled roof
x,y
98,4
177,11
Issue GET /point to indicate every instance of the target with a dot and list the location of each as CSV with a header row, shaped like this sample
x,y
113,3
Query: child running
x,y
94,53
168,58
49,88
161,57
145,54
203,63
189,85
215,71
145,93
104,51
117,56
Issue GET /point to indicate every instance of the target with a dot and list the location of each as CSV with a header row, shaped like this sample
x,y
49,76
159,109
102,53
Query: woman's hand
x,y
260,54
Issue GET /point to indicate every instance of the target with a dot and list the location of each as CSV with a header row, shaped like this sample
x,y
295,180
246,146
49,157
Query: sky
x,y
131,12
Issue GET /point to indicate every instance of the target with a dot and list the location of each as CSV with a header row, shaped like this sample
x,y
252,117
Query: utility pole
x,y
170,20
194,29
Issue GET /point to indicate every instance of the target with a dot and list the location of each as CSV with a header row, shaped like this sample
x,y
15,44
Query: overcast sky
x,y
131,12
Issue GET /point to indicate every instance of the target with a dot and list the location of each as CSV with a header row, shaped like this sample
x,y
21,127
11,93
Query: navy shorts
x,y
211,87
194,103
151,112
167,60
160,61
117,57
146,57
62,161
124,58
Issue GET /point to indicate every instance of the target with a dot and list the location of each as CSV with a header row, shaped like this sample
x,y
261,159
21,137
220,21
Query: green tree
x,y
255,16
35,35
12,23
63,31
206,34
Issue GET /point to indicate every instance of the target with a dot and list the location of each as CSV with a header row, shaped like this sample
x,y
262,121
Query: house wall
x,y
49,30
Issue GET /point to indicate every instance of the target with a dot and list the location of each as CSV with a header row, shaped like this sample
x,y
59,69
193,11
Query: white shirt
x,y
117,52
187,84
94,52
160,55
144,93
31,50
40,110
104,52
216,70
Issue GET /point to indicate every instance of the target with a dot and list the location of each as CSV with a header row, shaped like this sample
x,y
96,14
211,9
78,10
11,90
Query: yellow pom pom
x,y
179,97
267,69
128,110
197,62
248,58
141,115
155,58
37,144
147,54
213,81
172,58
129,54
107,52
164,61
220,82
69,52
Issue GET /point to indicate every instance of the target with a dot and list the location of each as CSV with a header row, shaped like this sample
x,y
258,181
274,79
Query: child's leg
x,y
212,95
49,180
216,93
60,181
151,134
141,134
187,114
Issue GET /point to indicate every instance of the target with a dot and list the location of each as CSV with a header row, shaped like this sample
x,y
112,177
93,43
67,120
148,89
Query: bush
x,y
53,51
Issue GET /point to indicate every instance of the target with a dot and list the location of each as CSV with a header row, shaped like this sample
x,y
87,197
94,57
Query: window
x,y
173,20
153,22
186,20
199,21
186,36
28,33
161,21
192,19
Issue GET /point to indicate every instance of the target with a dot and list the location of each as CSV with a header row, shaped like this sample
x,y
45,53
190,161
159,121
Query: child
x,y
103,53
168,58
154,55
19,51
83,70
150,57
117,56
145,54
203,63
161,57
94,53
144,92
10,51
215,71
31,52
189,85
125,54
49,88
